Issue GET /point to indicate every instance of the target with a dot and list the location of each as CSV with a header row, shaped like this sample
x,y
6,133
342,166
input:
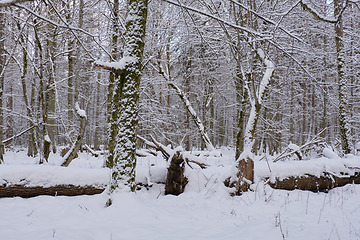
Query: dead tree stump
x,y
175,179
245,175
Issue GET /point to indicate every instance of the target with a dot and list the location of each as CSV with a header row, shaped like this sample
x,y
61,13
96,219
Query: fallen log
x,y
314,183
58,190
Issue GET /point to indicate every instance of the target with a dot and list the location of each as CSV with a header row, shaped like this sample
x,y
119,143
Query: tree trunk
x,y
245,163
125,102
342,80
97,116
112,81
241,101
245,175
195,117
32,148
72,153
50,89
42,97
175,179
2,76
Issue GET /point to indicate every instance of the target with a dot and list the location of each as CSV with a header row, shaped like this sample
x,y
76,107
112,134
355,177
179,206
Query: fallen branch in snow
x,y
157,146
288,152
167,152
58,190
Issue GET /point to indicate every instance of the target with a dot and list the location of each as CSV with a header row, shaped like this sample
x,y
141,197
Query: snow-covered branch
x,y
115,66
191,110
265,19
8,3
319,16
248,30
257,100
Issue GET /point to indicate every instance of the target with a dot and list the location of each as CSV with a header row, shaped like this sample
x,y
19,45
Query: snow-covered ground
x,y
204,211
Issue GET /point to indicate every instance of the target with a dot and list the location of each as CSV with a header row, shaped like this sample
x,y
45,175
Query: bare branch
x,y
248,30
319,16
8,3
267,20
19,134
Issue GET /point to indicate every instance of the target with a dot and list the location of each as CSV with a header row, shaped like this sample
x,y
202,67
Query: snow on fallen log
x,y
314,183
34,180
58,190
314,175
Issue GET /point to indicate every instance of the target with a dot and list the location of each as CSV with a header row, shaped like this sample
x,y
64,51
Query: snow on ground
x,y
204,211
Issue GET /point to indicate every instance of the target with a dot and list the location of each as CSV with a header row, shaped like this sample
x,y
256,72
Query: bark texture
x,y
342,79
315,184
2,73
125,101
175,179
73,152
245,175
59,190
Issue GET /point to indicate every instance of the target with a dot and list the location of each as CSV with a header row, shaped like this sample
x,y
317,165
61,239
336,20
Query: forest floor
x,y
204,211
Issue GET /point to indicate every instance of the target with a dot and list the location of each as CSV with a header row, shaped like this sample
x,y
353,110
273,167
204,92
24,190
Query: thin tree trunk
x,y
195,117
72,153
342,80
2,76
112,81
241,101
32,148
245,163
42,98
97,116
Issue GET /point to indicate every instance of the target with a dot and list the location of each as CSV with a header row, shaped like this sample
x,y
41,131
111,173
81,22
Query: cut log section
x,y
59,190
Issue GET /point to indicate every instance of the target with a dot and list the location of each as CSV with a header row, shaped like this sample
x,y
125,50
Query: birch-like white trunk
x,y
257,101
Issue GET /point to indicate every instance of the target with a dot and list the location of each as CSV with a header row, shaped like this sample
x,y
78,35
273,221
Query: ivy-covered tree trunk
x,y
342,80
124,114
114,55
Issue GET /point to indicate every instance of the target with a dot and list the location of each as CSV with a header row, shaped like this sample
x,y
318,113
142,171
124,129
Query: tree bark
x,y
72,153
59,190
125,102
112,81
315,184
2,76
175,179
342,79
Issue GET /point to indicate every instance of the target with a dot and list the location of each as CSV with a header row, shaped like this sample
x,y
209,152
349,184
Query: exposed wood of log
x,y
175,179
315,184
59,190
245,175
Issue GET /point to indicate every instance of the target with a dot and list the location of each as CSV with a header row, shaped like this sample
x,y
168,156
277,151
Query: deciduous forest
x,y
221,102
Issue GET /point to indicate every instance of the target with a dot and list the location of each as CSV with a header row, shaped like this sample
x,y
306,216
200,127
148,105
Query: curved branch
x,y
8,3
